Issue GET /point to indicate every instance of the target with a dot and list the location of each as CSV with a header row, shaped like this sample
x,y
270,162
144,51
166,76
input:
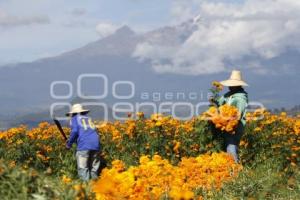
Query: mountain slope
x,y
25,87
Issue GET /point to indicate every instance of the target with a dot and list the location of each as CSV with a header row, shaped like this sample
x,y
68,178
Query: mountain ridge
x,y
25,87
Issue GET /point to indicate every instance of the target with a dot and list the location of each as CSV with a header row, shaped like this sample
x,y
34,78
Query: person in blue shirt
x,y
84,134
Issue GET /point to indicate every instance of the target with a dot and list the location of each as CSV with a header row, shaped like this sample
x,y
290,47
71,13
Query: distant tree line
x,y
292,111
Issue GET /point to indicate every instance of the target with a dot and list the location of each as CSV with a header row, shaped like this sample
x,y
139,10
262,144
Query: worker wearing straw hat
x,y
236,96
88,144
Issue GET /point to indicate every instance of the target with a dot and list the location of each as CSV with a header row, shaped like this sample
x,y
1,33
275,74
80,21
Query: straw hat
x,y
77,108
234,80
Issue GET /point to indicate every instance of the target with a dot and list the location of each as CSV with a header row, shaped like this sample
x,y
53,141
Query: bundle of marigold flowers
x,y
225,118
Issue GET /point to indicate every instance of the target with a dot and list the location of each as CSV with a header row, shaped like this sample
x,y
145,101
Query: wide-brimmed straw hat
x,y
234,80
77,108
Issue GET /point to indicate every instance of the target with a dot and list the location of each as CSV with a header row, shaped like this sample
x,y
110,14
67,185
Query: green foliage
x,y
17,183
268,153
265,181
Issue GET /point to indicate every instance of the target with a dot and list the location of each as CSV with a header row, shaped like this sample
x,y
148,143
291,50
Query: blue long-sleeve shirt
x,y
83,133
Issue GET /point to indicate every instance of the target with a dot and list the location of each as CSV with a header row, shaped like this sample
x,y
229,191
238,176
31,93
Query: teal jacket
x,y
239,99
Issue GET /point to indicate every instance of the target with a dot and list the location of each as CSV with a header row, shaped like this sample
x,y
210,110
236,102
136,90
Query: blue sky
x,y
33,29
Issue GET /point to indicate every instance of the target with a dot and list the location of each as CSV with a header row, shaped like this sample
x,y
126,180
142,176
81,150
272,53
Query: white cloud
x,y
106,29
228,31
181,10
7,20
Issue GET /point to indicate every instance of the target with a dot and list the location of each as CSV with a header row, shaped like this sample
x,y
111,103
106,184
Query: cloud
x,y
183,10
77,12
106,29
7,20
75,23
227,32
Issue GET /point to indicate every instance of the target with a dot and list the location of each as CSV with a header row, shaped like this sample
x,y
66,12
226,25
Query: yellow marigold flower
x,y
283,114
118,165
105,188
156,116
178,193
144,160
217,85
243,143
158,123
19,142
77,187
257,129
66,179
103,125
176,146
297,127
140,115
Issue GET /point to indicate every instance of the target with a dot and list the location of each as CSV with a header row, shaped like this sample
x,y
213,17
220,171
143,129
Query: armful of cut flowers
x,y
225,118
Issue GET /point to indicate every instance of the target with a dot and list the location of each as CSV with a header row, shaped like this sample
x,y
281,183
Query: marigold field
x,y
157,158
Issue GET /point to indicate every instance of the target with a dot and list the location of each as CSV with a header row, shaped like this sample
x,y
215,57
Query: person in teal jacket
x,y
238,97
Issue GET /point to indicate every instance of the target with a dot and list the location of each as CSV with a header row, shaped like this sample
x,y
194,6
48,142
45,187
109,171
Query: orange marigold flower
x,y
66,179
